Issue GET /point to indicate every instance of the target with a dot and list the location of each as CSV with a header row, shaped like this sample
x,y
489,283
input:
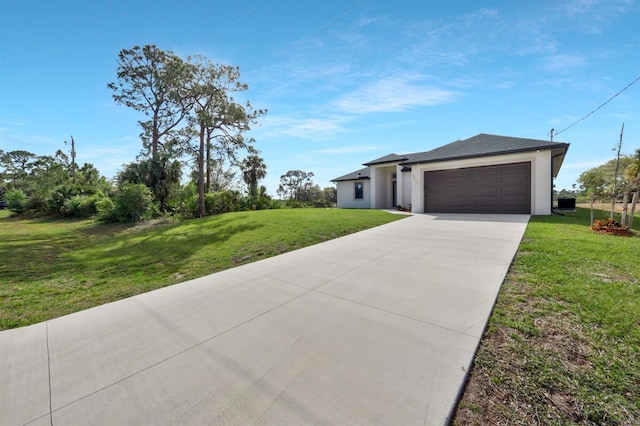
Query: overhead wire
x,y
592,112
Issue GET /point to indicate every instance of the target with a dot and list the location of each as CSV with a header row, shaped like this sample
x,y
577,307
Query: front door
x,y
395,193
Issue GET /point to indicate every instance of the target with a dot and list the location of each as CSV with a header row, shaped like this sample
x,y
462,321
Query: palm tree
x,y
633,171
253,170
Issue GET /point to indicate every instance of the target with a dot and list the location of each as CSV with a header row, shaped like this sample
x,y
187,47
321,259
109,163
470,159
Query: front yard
x,y
52,267
563,342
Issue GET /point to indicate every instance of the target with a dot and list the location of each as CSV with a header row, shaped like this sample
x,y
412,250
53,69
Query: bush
x,y
60,196
82,205
261,202
16,200
292,203
106,210
134,203
222,202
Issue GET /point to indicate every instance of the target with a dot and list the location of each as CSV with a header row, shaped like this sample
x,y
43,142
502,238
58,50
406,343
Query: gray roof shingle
x,y
483,145
357,175
389,158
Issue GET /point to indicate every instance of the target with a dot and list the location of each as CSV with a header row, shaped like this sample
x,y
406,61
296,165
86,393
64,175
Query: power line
x,y
608,100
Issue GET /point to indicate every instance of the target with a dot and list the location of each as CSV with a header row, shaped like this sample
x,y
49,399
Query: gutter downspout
x,y
552,210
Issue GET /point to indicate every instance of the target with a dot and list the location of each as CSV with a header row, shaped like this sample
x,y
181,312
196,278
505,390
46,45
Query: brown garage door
x,y
505,188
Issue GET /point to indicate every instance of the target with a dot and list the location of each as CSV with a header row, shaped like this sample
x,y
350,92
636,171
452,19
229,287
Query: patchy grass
x,y
52,267
563,343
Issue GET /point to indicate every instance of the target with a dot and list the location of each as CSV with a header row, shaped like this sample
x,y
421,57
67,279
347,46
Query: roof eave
x,y
351,179
563,146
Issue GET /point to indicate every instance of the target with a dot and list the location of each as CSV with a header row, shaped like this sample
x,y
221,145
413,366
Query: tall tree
x,y
219,120
219,177
149,81
294,184
632,172
17,165
49,172
159,174
600,180
253,170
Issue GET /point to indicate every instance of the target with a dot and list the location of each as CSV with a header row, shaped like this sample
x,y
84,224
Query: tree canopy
x,y
253,170
185,100
600,180
151,80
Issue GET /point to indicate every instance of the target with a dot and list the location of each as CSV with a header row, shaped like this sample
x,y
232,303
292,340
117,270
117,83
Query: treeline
x,y
611,179
191,118
53,186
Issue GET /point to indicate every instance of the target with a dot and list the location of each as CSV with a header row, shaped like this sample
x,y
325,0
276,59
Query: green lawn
x,y
563,342
52,267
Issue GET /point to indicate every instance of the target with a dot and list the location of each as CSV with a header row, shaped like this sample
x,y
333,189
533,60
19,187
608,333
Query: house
x,y
482,174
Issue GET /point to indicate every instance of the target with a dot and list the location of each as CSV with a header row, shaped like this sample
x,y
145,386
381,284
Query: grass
x,y
52,267
563,343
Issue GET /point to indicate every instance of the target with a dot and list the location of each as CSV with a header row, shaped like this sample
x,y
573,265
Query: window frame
x,y
358,190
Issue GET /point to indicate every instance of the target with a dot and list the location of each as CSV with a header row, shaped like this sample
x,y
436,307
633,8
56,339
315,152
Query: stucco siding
x,y
347,197
406,189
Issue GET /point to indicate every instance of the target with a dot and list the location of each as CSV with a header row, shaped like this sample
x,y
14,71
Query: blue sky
x,y
344,81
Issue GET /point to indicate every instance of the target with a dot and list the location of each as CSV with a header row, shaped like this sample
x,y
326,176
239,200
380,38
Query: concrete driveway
x,y
378,327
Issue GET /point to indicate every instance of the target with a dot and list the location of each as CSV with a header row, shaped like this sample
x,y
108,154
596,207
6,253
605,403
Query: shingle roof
x,y
484,145
357,175
389,158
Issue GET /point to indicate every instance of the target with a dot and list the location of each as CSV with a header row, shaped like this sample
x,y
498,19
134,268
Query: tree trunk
x,y
633,208
208,183
154,137
201,209
625,201
253,186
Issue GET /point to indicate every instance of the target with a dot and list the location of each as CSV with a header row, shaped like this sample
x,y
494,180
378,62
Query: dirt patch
x,y
504,388
150,224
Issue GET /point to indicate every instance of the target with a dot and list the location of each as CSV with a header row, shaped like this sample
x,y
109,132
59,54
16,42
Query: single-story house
x,y
482,174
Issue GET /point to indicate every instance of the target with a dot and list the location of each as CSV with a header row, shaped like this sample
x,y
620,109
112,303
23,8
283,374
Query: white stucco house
x,y
482,174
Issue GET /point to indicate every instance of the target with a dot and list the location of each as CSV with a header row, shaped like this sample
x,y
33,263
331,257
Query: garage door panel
x,y
502,188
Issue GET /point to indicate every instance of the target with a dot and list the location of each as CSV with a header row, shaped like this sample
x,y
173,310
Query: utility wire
x,y
608,100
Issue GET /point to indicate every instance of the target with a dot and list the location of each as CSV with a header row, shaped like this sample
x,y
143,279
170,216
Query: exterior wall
x,y
541,181
382,182
406,189
347,195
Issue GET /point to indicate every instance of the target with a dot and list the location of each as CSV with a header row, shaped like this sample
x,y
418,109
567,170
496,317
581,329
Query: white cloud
x,y
12,122
304,128
565,63
393,94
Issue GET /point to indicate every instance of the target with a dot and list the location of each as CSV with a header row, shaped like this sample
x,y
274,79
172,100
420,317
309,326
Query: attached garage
x,y
504,188
482,174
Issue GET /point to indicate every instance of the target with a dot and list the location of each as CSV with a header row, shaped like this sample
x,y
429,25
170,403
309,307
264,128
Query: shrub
x,y
16,200
276,204
82,205
106,210
222,202
261,202
134,203
60,196
292,203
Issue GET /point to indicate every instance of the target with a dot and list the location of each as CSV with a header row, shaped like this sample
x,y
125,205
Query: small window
x,y
359,191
